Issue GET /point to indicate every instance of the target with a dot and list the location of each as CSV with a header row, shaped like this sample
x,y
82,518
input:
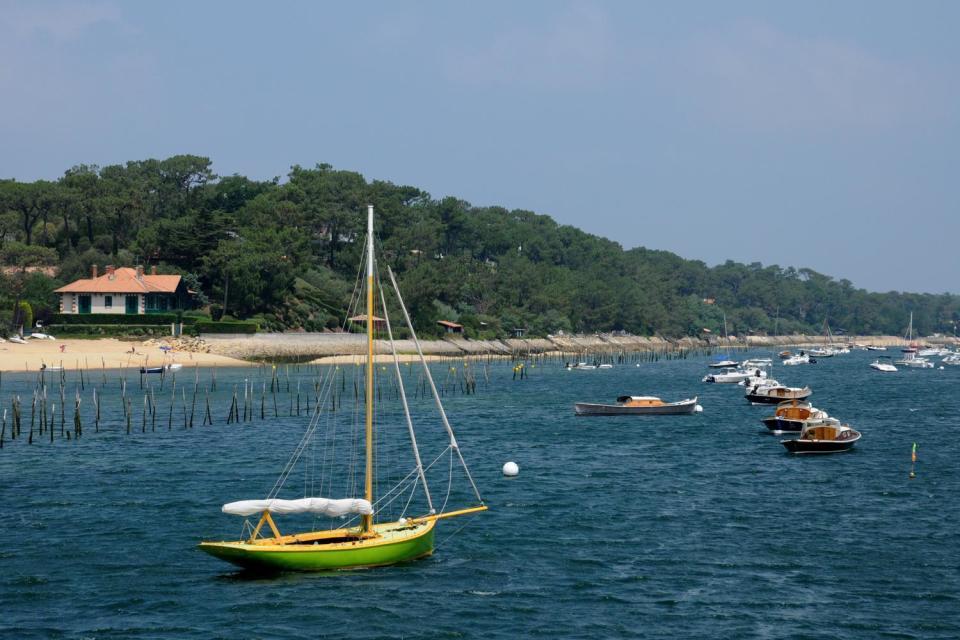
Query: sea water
x,y
698,526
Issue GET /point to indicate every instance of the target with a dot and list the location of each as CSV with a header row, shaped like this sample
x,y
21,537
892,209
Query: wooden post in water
x,y
77,426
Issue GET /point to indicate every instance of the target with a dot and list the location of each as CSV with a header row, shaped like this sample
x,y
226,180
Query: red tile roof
x,y
123,280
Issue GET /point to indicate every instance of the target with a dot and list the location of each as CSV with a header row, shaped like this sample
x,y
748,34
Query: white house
x,y
124,290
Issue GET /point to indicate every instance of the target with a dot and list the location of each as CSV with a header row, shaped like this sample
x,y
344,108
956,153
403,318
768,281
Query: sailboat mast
x,y
367,523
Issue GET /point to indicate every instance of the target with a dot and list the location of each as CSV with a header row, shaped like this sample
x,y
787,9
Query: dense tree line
x,y
286,253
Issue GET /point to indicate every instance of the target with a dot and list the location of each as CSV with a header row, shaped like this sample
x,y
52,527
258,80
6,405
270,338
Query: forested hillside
x,y
290,251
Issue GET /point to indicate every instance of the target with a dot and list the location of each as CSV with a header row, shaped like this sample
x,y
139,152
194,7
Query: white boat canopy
x,y
325,506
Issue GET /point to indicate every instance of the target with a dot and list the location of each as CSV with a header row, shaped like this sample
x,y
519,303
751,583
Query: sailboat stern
x,y
394,542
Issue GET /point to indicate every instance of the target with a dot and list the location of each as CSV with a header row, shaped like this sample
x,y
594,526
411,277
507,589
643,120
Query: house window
x,y
108,302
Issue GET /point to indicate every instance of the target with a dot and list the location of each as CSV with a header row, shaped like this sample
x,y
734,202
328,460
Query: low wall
x,y
302,346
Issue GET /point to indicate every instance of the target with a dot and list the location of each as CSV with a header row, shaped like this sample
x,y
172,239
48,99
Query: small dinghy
x,y
637,405
166,367
17,340
823,436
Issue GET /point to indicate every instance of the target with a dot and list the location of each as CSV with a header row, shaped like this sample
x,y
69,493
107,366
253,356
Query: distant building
x,y
125,290
451,327
378,322
519,331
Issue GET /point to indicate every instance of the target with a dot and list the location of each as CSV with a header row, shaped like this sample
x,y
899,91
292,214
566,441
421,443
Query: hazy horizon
x,y
815,136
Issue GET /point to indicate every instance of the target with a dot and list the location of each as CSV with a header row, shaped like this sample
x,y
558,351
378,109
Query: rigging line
x,y
404,480
449,485
381,506
304,441
357,285
466,523
433,387
403,398
413,492
437,459
298,451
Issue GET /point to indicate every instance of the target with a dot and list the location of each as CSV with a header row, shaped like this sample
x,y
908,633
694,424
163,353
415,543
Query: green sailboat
x,y
368,543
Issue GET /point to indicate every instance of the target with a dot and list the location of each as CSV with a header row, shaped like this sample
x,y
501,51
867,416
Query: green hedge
x,y
225,327
119,318
107,330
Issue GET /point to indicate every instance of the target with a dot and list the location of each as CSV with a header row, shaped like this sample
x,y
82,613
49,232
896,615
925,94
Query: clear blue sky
x,y
812,134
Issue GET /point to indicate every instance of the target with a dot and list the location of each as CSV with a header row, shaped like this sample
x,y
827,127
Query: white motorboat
x,y
915,363
883,364
581,366
757,381
753,363
800,358
933,352
723,364
41,336
731,375
873,347
953,358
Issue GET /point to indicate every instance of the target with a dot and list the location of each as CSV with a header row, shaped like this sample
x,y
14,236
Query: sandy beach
x,y
94,354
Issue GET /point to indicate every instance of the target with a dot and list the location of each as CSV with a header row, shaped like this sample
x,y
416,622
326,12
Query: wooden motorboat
x,y
790,416
636,405
775,394
823,436
785,354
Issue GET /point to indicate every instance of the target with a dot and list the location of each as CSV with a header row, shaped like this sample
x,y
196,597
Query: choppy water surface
x,y
693,526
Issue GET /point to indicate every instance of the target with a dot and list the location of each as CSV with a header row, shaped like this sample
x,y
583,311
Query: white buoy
x,y
698,409
511,469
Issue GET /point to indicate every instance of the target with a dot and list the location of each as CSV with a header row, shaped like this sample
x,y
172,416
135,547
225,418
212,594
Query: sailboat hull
x,y
396,542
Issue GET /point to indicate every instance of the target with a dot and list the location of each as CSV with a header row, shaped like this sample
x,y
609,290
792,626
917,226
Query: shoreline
x,y
325,348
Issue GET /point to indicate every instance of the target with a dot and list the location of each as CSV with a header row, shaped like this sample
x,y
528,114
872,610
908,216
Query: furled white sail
x,y
325,506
